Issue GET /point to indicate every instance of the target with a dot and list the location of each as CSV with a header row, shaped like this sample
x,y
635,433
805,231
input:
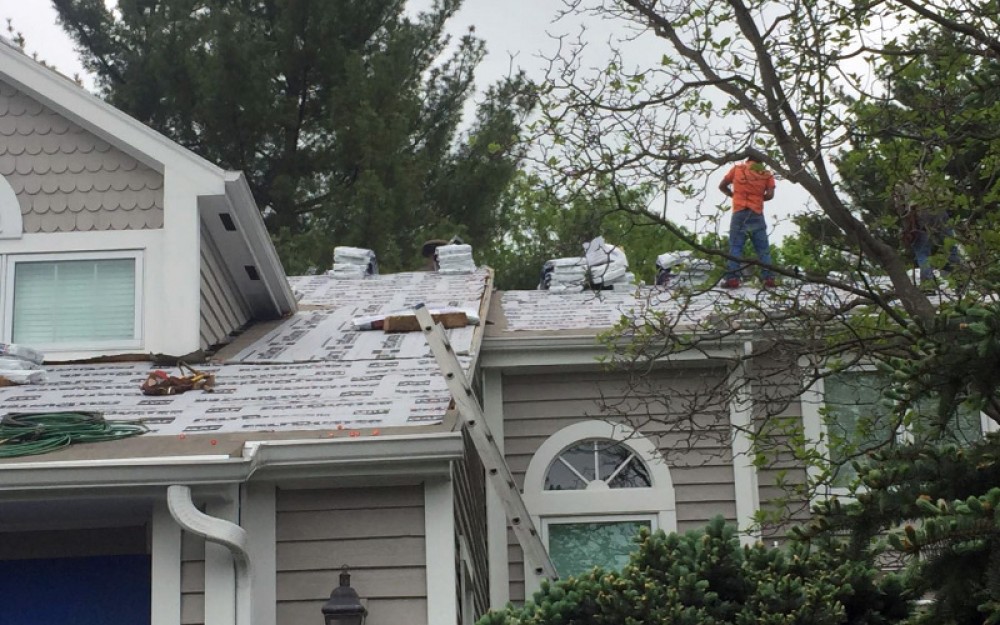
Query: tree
x,y
850,102
343,115
705,577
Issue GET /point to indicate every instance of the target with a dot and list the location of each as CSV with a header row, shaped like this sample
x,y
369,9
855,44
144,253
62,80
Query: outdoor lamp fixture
x,y
344,606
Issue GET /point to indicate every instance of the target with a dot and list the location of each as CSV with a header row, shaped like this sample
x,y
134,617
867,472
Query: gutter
x,y
512,350
419,454
229,535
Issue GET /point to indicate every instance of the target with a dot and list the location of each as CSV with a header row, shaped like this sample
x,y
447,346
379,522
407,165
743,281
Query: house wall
x,y
223,309
777,413
192,579
698,453
378,532
67,179
470,525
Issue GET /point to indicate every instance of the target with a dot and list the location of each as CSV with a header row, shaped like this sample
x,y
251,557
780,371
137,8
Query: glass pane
x,y
610,456
576,548
857,418
560,477
581,458
74,301
634,475
964,428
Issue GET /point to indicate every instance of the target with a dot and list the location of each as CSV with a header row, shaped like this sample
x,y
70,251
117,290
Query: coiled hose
x,y
28,434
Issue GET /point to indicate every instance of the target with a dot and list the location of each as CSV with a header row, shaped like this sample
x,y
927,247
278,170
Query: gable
x,y
66,179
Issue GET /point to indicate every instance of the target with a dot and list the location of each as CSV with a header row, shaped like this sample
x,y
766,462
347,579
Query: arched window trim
x,y
11,224
656,502
658,499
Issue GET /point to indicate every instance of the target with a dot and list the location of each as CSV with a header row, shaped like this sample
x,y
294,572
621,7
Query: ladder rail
x,y
474,421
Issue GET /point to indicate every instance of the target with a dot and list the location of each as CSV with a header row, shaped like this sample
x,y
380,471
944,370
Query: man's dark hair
x,y
751,154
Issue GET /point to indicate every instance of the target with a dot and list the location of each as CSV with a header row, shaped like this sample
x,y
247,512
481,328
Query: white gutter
x,y
417,454
229,535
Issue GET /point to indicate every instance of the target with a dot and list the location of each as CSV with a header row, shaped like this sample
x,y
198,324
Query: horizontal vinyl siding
x,y
697,452
223,308
377,532
470,523
192,579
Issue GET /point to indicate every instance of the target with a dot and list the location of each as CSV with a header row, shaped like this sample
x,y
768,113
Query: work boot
x,y
731,283
769,282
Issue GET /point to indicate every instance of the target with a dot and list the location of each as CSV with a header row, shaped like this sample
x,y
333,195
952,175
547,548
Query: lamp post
x,y
344,606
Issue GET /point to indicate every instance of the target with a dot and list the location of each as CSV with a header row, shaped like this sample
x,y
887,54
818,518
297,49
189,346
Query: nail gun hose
x,y
28,434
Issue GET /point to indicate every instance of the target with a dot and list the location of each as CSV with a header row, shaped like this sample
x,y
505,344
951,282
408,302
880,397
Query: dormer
x,y
114,239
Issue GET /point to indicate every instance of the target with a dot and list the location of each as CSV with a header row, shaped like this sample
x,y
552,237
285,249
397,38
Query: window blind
x,y
74,301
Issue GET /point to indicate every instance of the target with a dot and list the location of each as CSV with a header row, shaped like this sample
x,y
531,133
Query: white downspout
x,y
212,529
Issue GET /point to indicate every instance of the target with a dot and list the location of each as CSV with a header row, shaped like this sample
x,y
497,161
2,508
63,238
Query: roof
x,y
311,372
547,328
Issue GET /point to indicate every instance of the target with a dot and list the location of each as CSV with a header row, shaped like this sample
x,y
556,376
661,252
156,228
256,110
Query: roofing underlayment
x,y
595,311
313,371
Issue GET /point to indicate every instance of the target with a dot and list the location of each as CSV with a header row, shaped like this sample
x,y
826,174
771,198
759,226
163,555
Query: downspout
x,y
212,529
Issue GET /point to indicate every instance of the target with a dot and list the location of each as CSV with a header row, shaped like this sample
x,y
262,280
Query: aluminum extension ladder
x,y
474,422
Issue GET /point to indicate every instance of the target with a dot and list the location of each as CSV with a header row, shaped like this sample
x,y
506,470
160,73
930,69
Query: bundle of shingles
x,y
682,269
455,259
608,265
353,262
20,365
564,275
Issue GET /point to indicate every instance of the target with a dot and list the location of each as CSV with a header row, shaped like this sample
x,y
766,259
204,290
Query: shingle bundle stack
x,y
454,259
353,262
20,365
608,265
564,275
682,269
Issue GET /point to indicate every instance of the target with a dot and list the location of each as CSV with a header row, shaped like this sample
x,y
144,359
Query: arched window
x,y
596,465
590,487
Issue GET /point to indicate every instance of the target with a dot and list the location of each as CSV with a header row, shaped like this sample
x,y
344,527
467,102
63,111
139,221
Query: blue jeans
x,y
746,222
923,247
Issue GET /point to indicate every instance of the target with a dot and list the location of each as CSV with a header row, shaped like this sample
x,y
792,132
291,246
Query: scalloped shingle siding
x,y
69,180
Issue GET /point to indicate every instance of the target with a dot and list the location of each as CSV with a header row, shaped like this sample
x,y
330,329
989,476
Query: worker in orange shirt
x,y
750,184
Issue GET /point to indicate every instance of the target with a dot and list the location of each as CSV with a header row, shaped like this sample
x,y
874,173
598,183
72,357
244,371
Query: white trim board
x,y
439,529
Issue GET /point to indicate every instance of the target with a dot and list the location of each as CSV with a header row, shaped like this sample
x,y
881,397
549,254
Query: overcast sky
x,y
517,32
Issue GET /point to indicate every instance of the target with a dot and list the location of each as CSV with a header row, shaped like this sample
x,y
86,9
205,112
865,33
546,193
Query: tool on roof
x,y
27,433
159,382
496,467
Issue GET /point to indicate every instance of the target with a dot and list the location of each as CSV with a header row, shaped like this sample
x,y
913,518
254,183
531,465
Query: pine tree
x,y
343,114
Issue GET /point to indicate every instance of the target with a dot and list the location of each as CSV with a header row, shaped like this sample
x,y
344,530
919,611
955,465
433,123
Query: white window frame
x,y
11,222
813,400
656,503
9,269
547,522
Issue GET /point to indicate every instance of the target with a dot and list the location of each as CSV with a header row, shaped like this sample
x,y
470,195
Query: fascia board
x,y
112,125
251,225
576,350
430,453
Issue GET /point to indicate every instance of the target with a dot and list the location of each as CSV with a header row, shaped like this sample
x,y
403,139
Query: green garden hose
x,y
27,433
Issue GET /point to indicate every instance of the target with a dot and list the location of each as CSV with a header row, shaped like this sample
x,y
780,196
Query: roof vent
x,y
353,263
227,222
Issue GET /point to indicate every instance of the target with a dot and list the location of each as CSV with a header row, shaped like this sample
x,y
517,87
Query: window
x,y
590,487
597,464
74,301
581,544
849,413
